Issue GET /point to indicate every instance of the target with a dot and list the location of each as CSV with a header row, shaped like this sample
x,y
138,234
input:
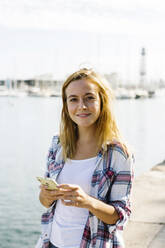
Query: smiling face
x,y
83,102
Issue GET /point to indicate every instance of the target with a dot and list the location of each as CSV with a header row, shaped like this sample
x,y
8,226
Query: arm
x,y
119,197
79,198
103,211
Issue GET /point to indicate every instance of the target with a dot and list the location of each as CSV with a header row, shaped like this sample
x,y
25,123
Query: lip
x,y
83,115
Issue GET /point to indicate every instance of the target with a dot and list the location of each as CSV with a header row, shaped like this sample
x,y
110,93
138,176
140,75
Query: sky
x,y
57,37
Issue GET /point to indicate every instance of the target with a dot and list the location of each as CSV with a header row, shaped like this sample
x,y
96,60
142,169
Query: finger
x,y
43,187
70,198
68,186
69,203
66,203
52,197
52,194
56,191
59,197
73,194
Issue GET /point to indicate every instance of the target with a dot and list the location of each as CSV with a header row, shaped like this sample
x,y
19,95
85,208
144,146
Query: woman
x,y
93,168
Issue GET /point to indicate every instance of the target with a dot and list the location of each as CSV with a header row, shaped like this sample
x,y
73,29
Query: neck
x,y
87,135
87,145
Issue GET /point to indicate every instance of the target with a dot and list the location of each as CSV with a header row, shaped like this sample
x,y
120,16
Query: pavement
x,y
146,228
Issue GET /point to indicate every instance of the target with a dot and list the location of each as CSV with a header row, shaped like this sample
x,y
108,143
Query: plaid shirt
x,y
111,183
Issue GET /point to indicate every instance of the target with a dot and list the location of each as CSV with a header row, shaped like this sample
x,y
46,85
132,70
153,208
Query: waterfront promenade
x,y
146,228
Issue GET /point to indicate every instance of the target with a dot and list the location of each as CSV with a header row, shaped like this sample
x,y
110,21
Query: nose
x,y
82,104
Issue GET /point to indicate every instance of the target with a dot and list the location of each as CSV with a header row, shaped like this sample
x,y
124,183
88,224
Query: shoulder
x,y
55,149
55,142
56,139
118,149
120,159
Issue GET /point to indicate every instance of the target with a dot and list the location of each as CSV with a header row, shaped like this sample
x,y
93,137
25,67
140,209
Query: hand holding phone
x,y
49,182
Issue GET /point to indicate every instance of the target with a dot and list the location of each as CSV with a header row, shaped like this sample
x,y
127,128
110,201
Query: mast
x,y
143,68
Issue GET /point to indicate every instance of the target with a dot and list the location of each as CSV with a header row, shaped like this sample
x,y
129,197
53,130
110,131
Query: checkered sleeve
x,y
119,196
51,155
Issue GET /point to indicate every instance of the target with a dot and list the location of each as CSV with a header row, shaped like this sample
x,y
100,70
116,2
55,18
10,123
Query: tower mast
x,y
143,68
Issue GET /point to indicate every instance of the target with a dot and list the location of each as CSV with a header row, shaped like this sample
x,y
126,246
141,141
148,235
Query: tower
x,y
143,68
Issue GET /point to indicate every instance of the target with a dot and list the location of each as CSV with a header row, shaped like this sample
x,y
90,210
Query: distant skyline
x,y
58,37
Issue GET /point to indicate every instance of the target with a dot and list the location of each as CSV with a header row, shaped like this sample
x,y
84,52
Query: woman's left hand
x,y
74,195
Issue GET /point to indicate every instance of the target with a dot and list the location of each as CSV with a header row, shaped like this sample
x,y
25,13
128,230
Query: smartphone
x,y
49,182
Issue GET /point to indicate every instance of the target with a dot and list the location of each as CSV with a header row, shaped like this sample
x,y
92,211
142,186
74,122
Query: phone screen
x,y
50,183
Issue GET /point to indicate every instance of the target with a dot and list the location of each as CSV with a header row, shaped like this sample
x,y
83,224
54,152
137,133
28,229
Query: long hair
x,y
107,131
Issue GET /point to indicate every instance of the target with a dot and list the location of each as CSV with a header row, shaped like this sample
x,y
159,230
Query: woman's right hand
x,y
47,197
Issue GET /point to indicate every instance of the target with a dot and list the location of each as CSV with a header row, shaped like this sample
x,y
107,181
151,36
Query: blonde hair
x,y
107,131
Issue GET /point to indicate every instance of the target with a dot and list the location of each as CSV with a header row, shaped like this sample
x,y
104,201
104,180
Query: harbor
x,y
42,86
46,87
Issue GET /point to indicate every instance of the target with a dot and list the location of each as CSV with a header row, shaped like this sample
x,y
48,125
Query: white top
x,y
69,222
